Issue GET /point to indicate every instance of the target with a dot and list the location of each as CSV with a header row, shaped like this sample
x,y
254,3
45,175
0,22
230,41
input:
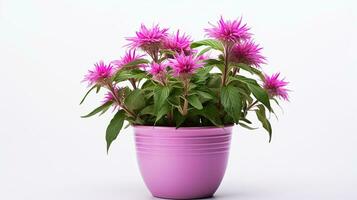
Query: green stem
x,y
227,49
170,117
132,81
115,95
235,71
225,72
251,105
185,95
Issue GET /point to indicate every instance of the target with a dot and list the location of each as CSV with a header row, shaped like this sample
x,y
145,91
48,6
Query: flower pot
x,y
183,163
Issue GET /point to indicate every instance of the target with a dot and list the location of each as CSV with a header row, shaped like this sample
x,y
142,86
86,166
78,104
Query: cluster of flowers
x,y
240,48
234,35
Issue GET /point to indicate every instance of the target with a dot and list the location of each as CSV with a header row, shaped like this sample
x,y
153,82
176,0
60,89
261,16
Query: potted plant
x,y
182,99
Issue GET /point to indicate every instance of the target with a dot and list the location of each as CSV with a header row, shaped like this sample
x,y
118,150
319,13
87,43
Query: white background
x,y
48,152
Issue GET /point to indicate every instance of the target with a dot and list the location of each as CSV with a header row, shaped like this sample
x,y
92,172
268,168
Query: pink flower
x,y
183,65
148,38
177,43
100,75
129,56
248,53
158,71
275,87
157,68
109,97
229,31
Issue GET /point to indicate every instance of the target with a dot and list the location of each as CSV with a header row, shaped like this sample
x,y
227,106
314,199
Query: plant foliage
x,y
214,91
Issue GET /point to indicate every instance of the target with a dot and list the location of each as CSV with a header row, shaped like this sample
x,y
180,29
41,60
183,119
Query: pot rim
x,y
182,128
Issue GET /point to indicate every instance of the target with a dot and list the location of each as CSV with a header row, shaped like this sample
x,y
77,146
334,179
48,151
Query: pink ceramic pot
x,y
183,163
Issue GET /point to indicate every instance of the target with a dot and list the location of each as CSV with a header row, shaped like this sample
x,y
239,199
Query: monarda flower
x,y
100,75
229,32
157,68
184,65
148,39
275,87
178,43
248,53
109,97
158,71
129,56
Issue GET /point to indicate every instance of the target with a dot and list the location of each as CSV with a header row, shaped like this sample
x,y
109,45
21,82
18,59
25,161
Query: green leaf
x,y
179,119
195,101
213,62
167,51
160,96
245,120
246,126
204,51
147,84
231,101
211,112
204,71
262,118
114,127
149,110
192,86
99,109
276,101
260,94
205,95
135,100
98,89
104,110
251,70
245,92
174,100
245,80
85,96
214,81
208,42
163,110
135,63
123,75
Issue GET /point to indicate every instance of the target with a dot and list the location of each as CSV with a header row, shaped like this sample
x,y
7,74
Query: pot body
x,y
183,163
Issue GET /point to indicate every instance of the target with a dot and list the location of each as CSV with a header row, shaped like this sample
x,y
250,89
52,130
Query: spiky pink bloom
x,y
157,68
185,64
148,38
248,53
129,56
100,75
229,31
276,86
109,97
178,43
